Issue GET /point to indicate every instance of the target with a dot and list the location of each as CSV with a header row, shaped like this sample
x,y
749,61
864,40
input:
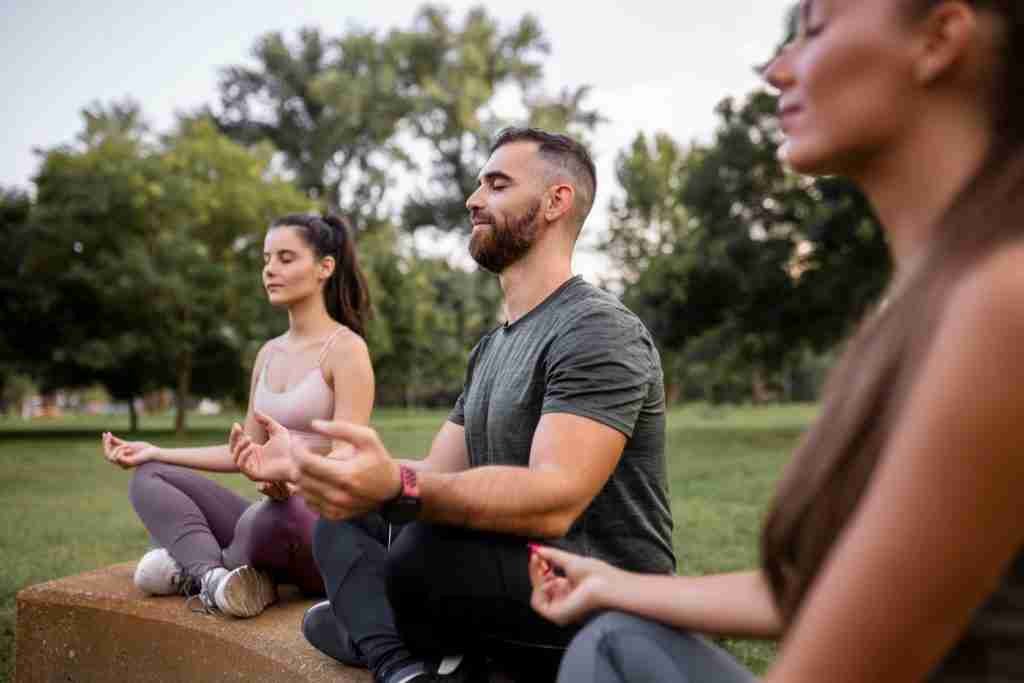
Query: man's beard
x,y
497,247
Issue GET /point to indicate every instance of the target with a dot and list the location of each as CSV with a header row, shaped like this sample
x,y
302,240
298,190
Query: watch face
x,y
402,510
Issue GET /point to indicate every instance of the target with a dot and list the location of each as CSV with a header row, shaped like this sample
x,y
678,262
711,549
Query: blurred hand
x,y
127,454
270,461
276,490
352,480
567,587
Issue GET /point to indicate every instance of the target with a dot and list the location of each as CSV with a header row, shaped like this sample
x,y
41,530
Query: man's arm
x,y
448,452
571,458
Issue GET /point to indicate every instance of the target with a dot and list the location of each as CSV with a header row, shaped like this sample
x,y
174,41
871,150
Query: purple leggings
x,y
204,525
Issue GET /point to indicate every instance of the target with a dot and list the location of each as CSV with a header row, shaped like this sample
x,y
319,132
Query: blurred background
x,y
147,147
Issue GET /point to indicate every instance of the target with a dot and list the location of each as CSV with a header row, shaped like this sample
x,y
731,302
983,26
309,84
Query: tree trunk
x,y
181,392
132,415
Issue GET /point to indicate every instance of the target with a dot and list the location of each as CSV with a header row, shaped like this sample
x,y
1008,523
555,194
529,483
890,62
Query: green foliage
x,y
738,266
342,110
19,295
329,105
428,316
149,250
345,111
457,71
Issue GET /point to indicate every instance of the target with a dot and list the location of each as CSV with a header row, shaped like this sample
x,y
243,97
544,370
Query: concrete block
x,y
98,628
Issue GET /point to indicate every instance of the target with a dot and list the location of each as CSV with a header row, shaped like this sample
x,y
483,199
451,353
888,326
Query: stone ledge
x,y
97,627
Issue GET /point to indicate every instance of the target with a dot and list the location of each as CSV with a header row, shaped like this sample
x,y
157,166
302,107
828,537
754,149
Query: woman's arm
x,y
351,376
569,587
130,454
940,521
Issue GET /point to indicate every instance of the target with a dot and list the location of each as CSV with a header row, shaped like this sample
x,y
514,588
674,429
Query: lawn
x,y
66,509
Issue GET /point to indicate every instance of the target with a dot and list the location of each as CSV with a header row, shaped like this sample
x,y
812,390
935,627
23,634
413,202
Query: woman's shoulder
x,y
986,302
345,349
994,285
267,348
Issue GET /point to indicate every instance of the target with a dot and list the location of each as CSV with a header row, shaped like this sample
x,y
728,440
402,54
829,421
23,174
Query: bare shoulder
x,y
348,353
265,349
989,299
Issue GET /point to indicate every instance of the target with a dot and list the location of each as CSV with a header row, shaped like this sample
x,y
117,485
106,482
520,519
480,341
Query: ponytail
x,y
346,294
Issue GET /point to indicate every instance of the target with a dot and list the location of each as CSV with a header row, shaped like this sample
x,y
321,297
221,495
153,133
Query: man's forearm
x,y
513,500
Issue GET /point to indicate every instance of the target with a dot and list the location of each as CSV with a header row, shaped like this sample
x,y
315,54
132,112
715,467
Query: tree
x,y
329,105
736,264
153,249
455,73
22,344
347,112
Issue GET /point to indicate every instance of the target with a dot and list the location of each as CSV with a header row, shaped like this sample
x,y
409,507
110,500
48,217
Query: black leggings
x,y
432,590
616,647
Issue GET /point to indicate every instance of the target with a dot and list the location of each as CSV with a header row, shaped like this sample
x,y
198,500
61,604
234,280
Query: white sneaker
x,y
242,592
157,573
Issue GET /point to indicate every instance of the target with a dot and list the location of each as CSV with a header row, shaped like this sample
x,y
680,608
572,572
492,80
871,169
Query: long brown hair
x,y
825,481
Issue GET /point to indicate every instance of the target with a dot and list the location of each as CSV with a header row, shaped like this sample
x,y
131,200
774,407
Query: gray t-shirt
x,y
581,352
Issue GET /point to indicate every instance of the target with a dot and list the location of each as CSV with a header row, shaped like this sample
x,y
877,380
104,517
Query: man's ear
x,y
560,200
948,32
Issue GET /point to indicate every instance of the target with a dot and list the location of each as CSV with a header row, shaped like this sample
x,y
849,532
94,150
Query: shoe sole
x,y
245,592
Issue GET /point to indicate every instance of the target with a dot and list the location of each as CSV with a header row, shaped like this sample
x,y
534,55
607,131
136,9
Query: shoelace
x,y
204,596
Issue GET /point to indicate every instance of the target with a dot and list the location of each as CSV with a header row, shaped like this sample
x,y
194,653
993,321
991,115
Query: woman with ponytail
x,y
894,549
210,541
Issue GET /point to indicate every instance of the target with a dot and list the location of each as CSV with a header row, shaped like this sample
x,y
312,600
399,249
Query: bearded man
x,y
558,437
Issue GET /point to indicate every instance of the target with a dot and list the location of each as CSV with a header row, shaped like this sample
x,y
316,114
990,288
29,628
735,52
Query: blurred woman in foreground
x,y
893,549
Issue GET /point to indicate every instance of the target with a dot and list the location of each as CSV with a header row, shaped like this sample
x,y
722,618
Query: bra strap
x,y
327,345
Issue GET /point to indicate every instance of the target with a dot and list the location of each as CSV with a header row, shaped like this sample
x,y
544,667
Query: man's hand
x,y
268,462
350,483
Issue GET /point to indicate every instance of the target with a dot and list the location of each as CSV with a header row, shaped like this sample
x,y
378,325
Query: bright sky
x,y
653,65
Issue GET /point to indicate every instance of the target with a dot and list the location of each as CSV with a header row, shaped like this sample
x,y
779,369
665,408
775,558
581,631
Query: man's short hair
x,y
566,154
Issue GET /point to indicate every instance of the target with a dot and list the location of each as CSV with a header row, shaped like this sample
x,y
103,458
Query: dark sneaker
x,y
324,633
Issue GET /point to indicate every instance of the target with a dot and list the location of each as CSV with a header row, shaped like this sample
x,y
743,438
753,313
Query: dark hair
x,y
346,295
563,152
824,482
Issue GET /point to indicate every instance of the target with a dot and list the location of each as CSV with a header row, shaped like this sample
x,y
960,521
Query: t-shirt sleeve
x,y
601,368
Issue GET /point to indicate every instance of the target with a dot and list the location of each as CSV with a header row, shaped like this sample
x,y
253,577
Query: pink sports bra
x,y
311,399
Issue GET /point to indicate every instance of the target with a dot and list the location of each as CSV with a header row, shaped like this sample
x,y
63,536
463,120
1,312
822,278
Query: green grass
x,y
66,509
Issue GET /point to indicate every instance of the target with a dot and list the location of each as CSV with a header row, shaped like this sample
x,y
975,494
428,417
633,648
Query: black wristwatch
x,y
405,507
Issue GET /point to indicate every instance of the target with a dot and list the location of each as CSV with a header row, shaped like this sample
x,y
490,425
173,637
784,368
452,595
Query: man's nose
x,y
474,201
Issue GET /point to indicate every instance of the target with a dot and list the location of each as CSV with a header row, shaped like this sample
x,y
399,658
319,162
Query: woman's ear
x,y
948,32
326,267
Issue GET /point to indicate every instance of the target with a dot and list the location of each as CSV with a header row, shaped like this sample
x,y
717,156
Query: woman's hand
x,y
128,454
567,587
269,462
276,490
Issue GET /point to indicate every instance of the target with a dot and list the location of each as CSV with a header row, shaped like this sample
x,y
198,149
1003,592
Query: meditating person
x,y
893,549
559,433
209,539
